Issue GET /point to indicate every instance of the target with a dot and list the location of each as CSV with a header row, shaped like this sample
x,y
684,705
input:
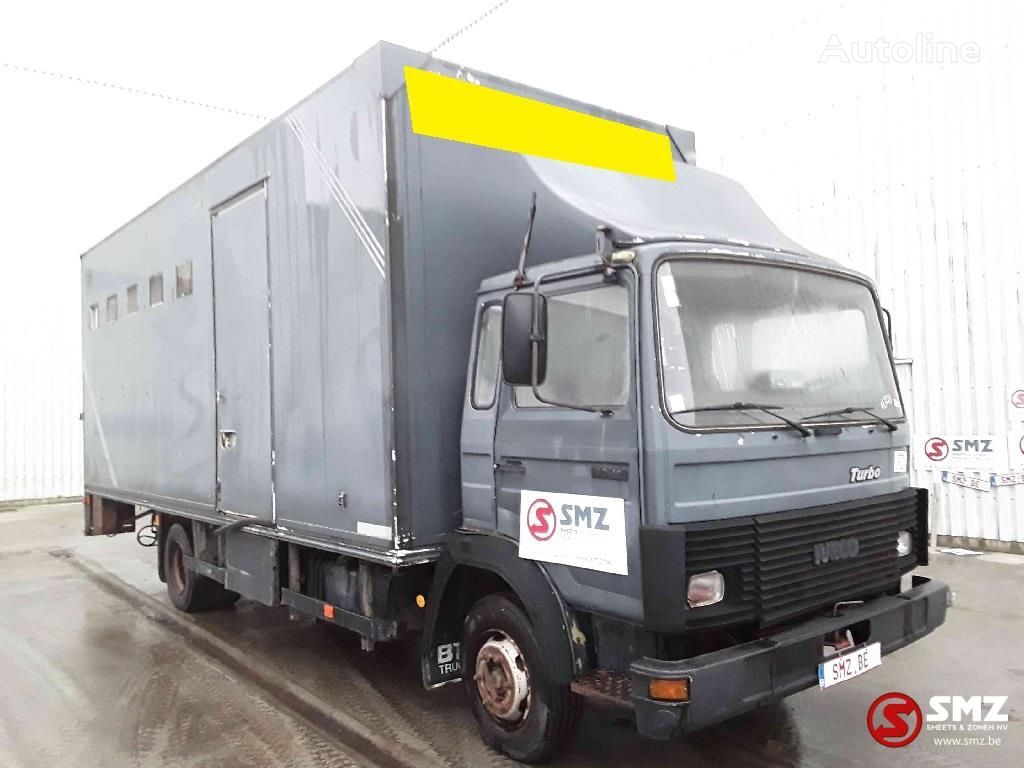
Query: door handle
x,y
228,438
512,467
609,472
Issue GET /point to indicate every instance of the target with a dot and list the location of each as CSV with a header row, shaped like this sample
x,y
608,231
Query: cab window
x,y
588,349
488,349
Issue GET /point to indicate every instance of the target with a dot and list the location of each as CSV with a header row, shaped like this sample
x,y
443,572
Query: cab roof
x,y
700,210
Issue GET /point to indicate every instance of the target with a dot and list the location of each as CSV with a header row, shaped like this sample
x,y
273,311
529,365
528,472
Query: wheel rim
x,y
502,679
177,568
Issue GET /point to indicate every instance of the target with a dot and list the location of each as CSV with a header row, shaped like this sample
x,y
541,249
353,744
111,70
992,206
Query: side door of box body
x,y
242,354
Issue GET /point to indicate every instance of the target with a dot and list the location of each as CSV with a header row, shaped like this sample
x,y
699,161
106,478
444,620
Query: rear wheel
x,y
188,590
521,711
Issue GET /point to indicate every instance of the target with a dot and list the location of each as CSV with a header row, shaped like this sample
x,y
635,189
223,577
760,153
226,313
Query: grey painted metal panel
x,y
148,378
695,476
242,355
378,242
150,425
330,314
251,566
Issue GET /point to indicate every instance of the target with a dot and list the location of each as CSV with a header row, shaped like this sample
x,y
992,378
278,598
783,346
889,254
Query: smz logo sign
x,y
837,549
936,449
540,520
572,529
977,446
591,517
860,474
966,452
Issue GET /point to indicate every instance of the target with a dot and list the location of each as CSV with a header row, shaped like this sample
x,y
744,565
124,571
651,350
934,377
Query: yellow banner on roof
x,y
448,108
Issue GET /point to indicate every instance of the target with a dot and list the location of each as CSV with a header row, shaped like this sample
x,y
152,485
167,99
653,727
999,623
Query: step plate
x,y
603,684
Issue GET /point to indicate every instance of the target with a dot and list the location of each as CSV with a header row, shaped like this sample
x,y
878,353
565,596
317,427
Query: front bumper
x,y
731,681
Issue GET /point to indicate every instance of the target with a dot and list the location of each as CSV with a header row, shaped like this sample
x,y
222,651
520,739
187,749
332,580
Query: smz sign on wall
x,y
1015,449
962,452
1016,397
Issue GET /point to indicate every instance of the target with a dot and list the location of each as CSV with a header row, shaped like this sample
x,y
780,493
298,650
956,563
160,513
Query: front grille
x,y
768,560
728,547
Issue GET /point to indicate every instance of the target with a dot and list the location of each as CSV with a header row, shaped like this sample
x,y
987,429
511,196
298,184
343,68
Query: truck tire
x,y
521,711
190,592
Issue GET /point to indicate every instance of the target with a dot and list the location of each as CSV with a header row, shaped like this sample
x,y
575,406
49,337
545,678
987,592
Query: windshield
x,y
756,333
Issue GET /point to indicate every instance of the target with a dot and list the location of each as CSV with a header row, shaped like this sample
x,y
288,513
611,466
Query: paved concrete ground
x,y
97,669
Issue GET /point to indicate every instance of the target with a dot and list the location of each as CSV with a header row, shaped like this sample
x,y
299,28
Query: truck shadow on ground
x,y
383,689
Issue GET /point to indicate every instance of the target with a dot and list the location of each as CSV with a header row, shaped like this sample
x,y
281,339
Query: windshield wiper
x,y
851,410
769,409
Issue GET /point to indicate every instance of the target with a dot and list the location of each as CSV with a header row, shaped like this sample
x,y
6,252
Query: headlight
x,y
705,588
904,543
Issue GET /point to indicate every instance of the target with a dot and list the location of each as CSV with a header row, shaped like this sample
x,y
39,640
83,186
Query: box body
x,y
293,323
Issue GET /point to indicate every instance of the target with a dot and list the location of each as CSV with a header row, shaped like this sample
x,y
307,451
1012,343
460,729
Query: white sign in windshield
x,y
813,348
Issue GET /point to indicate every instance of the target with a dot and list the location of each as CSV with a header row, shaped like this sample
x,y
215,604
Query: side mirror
x,y
517,338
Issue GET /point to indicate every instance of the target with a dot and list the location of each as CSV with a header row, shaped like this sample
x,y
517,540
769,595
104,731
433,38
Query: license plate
x,y
848,665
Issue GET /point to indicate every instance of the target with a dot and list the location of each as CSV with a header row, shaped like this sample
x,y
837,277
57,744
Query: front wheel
x,y
521,711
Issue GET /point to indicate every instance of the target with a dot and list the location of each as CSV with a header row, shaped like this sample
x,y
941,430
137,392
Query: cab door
x,y
568,480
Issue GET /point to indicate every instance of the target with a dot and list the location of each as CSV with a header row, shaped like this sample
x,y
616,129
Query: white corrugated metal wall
x,y
910,173
40,389
906,170
102,116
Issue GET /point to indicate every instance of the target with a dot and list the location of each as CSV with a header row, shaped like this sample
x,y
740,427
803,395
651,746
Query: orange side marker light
x,y
669,690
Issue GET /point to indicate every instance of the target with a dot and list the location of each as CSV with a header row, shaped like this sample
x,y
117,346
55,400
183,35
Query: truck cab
x,y
702,446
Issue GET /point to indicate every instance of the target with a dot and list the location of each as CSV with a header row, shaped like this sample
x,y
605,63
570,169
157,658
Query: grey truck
x,y
592,433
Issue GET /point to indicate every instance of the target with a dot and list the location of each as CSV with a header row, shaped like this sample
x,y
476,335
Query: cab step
x,y
605,685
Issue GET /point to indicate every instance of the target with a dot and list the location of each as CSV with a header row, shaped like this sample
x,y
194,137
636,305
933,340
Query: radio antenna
x,y
520,279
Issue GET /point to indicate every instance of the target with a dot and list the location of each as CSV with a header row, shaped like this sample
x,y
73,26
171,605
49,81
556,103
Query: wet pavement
x,y
97,669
